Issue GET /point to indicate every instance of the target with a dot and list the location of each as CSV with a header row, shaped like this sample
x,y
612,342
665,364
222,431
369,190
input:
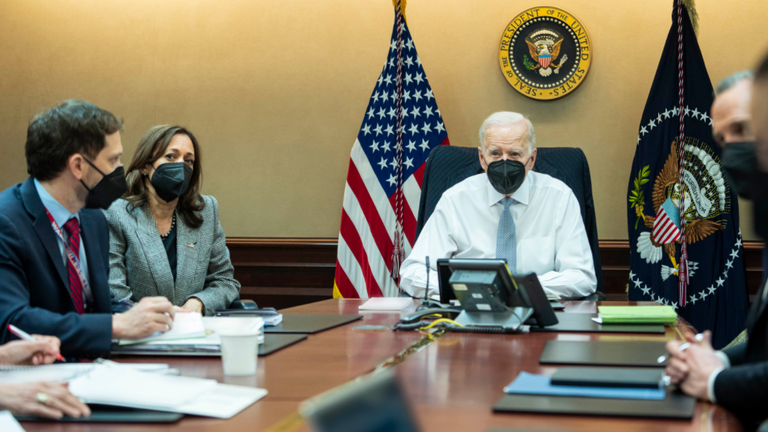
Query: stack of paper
x,y
637,315
120,386
394,304
186,325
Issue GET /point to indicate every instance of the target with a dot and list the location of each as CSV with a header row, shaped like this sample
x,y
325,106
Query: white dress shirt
x,y
551,240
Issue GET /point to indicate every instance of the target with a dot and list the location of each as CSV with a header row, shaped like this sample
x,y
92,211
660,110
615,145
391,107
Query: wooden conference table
x,y
452,382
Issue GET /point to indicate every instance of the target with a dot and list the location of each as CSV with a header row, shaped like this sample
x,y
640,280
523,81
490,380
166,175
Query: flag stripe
x,y
379,231
352,268
370,185
355,244
412,193
419,175
346,289
375,261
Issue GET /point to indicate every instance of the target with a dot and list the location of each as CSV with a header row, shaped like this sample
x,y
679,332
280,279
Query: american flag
x,y
381,199
666,226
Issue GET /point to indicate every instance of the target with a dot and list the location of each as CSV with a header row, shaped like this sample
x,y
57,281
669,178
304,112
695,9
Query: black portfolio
x,y
604,353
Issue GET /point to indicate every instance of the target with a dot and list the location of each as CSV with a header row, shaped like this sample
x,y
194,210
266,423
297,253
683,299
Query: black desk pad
x,y
112,414
604,353
310,323
276,342
582,323
272,343
674,406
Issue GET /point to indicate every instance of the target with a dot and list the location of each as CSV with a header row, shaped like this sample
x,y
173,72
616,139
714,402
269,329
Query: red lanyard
x,y
74,260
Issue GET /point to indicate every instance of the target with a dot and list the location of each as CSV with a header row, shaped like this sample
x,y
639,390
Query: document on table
x,y
120,386
382,304
186,325
66,371
8,423
212,325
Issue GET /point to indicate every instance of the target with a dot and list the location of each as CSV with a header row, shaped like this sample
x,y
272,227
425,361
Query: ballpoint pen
x,y
698,338
24,335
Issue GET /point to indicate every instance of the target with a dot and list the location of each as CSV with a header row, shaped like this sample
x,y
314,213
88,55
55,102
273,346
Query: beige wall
x,y
276,90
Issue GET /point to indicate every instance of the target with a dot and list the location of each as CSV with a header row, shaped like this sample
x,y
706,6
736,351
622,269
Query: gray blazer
x,y
138,264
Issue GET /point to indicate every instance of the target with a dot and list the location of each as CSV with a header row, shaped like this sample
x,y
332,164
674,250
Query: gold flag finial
x,y
403,3
690,6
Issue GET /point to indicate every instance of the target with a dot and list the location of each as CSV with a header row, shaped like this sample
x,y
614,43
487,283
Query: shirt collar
x,y
521,195
60,213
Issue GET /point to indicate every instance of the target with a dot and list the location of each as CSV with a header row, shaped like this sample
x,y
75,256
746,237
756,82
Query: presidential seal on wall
x,y
545,53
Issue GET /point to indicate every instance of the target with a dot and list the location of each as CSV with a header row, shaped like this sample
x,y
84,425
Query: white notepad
x,y
186,325
394,304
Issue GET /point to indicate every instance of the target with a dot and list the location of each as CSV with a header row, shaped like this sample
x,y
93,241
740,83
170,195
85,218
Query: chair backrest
x,y
449,165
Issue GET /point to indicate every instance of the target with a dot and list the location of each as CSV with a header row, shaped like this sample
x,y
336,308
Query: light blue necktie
x,y
506,238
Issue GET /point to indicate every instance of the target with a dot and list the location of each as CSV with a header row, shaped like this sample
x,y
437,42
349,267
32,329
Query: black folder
x,y
272,343
674,406
310,323
647,378
604,353
112,414
582,322
276,342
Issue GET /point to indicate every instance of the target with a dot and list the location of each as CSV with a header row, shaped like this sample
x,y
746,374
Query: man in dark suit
x,y
737,378
54,239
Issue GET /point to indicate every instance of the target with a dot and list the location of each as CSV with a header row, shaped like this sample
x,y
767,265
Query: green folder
x,y
638,315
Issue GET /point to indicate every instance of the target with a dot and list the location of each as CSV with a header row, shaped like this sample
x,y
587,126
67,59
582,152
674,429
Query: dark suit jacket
x,y
34,287
449,165
743,388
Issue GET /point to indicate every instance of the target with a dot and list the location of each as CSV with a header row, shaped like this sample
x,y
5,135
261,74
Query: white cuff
x,y
711,385
723,358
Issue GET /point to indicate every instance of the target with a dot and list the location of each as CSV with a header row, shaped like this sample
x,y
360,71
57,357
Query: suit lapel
x,y
186,255
154,252
44,230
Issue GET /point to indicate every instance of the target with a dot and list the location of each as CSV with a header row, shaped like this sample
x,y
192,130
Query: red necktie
x,y
72,227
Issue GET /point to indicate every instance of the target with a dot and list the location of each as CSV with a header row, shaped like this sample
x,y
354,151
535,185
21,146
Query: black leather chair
x,y
449,165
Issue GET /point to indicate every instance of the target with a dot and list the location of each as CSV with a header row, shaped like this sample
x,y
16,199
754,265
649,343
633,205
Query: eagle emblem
x,y
705,201
544,48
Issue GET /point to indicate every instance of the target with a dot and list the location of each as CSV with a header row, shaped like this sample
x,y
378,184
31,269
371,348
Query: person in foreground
x,y
54,240
166,238
46,399
737,377
531,219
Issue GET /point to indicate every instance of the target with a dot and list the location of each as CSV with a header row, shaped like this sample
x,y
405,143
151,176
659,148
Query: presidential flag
x,y
683,218
381,199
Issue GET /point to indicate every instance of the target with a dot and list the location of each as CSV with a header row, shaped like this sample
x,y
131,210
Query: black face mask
x,y
741,169
506,176
111,187
171,180
740,165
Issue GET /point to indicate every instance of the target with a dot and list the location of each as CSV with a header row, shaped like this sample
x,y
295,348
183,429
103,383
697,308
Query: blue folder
x,y
526,383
